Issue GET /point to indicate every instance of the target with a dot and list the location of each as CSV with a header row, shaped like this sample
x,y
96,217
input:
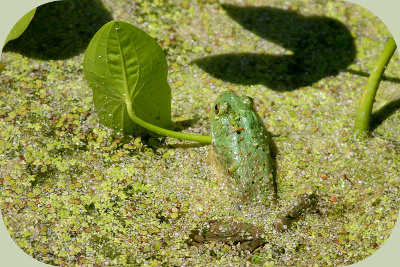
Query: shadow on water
x,y
365,74
383,113
61,29
184,124
321,47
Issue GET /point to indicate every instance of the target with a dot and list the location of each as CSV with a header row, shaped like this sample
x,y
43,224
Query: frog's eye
x,y
220,108
217,108
248,101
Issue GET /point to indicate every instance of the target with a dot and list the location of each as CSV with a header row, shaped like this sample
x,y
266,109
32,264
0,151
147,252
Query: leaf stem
x,y
191,137
363,118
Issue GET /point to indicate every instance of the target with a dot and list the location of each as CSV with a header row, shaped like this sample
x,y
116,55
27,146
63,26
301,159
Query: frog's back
x,y
243,147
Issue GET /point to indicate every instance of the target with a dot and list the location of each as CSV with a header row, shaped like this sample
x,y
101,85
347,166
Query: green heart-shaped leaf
x,y
20,26
127,69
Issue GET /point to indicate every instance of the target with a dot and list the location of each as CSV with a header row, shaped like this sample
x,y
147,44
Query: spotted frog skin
x,y
243,148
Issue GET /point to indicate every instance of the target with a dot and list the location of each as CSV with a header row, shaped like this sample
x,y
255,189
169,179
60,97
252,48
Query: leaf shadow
x,y
184,124
365,74
187,145
61,29
379,116
321,47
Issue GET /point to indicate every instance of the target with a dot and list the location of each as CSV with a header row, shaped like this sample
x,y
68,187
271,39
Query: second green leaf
x,y
125,67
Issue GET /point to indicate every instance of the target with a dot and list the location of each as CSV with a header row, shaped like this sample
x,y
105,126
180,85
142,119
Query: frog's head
x,y
230,113
230,102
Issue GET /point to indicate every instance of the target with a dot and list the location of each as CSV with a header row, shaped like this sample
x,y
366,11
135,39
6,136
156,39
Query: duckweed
x,y
74,192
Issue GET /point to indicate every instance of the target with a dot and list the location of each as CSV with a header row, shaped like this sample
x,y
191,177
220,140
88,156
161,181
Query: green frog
x,y
245,153
243,149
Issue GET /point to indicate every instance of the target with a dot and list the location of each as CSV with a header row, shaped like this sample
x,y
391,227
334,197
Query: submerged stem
x,y
365,108
191,137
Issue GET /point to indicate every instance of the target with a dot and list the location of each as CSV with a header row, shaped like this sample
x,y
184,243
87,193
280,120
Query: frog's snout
x,y
248,102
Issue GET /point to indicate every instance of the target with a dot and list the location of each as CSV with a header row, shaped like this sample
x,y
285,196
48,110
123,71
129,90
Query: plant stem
x,y
365,108
191,137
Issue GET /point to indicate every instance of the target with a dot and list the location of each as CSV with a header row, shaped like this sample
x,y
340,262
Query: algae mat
x,y
75,193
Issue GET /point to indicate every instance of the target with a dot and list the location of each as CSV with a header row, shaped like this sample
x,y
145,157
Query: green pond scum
x,y
73,192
